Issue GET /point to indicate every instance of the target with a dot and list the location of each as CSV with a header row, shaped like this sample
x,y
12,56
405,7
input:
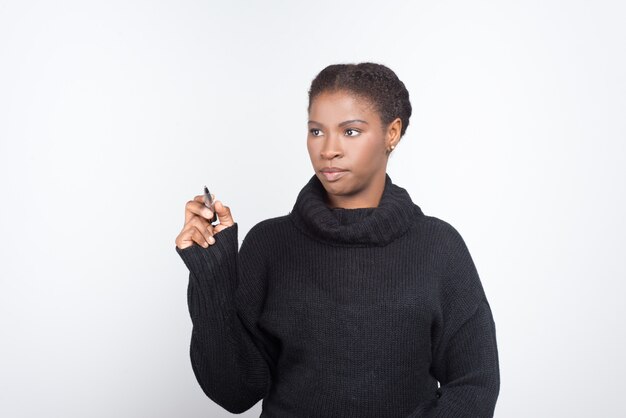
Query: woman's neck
x,y
366,198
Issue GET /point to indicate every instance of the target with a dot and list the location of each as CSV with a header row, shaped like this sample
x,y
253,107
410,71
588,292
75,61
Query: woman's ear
x,y
393,133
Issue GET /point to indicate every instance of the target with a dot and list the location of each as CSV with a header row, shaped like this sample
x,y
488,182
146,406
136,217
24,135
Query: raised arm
x,y
464,349
230,355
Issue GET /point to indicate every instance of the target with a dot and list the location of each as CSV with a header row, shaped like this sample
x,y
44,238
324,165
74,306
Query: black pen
x,y
208,202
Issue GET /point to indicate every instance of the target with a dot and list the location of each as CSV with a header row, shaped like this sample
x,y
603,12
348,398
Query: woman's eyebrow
x,y
346,122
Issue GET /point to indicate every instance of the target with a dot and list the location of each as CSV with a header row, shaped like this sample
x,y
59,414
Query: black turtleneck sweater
x,y
333,312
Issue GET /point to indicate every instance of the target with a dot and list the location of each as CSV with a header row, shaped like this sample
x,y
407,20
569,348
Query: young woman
x,y
356,303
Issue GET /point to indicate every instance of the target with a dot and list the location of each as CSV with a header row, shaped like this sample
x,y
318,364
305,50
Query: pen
x,y
208,202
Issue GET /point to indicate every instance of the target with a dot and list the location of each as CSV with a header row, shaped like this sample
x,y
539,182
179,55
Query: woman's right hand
x,y
198,227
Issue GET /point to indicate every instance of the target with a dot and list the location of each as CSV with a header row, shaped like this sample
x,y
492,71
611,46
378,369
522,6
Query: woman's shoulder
x,y
268,229
268,224
265,239
438,228
448,244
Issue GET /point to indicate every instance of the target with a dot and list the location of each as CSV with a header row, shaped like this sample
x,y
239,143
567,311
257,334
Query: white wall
x,y
114,113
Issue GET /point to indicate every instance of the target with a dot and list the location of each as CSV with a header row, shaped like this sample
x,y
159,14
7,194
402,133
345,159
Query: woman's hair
x,y
373,82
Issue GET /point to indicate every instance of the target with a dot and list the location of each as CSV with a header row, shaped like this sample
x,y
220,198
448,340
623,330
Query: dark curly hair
x,y
373,82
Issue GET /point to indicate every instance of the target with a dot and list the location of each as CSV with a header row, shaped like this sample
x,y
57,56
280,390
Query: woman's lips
x,y
333,175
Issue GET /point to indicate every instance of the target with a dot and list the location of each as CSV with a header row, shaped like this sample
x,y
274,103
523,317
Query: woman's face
x,y
346,134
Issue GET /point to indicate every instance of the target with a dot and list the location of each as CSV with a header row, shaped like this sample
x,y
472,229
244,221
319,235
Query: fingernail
x,y
208,212
205,245
211,240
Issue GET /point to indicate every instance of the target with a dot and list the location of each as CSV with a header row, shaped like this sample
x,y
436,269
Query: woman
x,y
356,303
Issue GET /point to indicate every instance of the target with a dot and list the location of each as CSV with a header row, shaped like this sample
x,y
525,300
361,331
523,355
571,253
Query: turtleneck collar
x,y
359,227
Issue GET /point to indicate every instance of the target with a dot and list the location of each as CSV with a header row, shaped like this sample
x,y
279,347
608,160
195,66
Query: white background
x,y
114,113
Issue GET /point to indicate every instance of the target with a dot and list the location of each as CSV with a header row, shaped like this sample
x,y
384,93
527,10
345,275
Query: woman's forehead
x,y
328,104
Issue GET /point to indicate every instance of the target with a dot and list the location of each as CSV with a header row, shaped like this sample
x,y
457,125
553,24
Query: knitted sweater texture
x,y
334,312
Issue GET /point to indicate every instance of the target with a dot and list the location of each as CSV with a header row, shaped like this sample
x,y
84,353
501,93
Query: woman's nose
x,y
331,148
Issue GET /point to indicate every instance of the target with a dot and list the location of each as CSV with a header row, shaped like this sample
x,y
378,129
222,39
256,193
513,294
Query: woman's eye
x,y
314,131
350,130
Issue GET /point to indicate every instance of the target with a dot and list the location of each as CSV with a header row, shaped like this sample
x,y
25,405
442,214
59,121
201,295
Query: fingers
x,y
198,231
196,207
223,212
198,227
219,228
200,198
202,236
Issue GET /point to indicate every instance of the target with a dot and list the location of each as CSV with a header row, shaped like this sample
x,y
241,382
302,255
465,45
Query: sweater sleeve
x,y
464,349
230,355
